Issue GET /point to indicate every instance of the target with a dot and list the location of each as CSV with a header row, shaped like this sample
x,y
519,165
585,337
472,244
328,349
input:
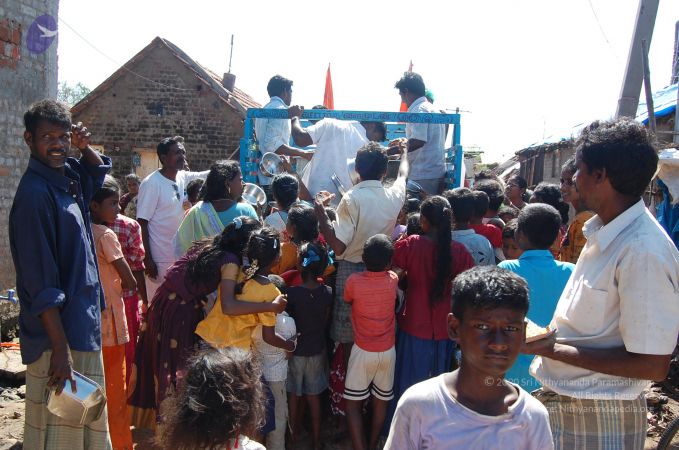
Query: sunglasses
x,y
176,191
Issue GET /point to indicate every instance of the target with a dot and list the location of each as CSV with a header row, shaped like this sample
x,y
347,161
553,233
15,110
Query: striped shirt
x,y
274,362
129,236
373,299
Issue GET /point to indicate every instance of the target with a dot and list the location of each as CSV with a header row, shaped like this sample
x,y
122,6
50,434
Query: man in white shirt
x,y
273,135
160,209
425,140
618,317
367,209
336,142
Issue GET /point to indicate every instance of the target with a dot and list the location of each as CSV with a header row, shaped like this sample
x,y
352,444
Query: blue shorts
x,y
308,375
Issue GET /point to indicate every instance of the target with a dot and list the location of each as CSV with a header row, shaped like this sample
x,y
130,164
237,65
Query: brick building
x,y
28,72
162,92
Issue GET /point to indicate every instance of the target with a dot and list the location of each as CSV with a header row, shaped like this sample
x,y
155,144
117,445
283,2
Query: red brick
x,y
16,52
4,33
16,36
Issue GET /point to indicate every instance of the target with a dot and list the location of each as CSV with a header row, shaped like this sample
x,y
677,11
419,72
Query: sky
x,y
519,71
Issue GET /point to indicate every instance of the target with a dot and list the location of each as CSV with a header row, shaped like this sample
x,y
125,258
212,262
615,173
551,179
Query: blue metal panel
x,y
363,116
249,153
459,157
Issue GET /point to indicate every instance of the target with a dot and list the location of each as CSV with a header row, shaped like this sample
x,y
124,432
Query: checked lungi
x,y
341,329
595,424
44,430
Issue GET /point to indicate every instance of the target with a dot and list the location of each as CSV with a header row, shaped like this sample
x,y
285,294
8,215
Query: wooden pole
x,y
647,86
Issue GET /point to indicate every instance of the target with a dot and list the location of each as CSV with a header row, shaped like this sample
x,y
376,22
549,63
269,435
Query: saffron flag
x,y
328,100
404,107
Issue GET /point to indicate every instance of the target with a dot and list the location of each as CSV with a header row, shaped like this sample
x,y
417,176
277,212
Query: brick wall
x,y
25,77
135,113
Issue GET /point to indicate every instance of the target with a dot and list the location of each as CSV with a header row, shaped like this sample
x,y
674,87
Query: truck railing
x,y
454,154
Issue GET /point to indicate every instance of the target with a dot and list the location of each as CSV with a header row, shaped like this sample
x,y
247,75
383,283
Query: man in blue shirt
x,y
538,225
57,276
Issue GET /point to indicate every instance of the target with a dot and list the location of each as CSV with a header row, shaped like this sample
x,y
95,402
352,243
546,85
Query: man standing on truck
x,y
273,135
425,140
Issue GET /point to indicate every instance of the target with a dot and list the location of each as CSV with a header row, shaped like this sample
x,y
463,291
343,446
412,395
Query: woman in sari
x,y
219,206
167,338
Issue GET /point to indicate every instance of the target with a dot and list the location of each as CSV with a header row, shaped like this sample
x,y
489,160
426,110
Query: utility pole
x,y
675,57
631,83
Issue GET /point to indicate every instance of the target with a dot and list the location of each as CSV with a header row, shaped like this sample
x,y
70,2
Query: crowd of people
x,y
217,324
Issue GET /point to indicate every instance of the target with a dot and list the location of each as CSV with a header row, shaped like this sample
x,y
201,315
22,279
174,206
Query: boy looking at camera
x,y
474,407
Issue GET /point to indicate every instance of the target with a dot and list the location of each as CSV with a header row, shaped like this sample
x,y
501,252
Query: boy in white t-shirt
x,y
474,407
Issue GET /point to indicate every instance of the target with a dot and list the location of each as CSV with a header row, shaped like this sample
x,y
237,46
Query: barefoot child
x,y
169,337
115,275
220,330
274,362
372,295
474,407
309,304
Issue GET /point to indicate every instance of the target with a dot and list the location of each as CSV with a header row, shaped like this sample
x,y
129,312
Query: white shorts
x,y
370,373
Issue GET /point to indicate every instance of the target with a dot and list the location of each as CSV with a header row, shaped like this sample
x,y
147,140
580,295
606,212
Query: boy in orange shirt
x,y
115,275
372,295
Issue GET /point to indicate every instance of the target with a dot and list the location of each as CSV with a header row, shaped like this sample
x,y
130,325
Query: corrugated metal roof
x,y
664,103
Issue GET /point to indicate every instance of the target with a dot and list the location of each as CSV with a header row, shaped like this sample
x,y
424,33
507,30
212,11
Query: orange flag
x,y
328,100
404,107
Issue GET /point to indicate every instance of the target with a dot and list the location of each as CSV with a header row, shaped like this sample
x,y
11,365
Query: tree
x,y
72,94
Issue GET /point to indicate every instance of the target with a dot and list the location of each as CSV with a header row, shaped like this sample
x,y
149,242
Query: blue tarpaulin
x,y
664,103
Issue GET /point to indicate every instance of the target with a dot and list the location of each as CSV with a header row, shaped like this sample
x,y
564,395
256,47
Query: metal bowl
x,y
351,168
81,407
270,164
254,194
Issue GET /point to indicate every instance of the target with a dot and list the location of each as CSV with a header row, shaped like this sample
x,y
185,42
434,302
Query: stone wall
x,y
28,72
133,113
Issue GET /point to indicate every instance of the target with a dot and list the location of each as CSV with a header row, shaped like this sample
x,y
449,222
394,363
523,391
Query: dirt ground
x,y
662,409
11,423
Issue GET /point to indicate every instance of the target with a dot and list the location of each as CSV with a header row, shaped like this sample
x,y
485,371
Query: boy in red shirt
x,y
372,295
